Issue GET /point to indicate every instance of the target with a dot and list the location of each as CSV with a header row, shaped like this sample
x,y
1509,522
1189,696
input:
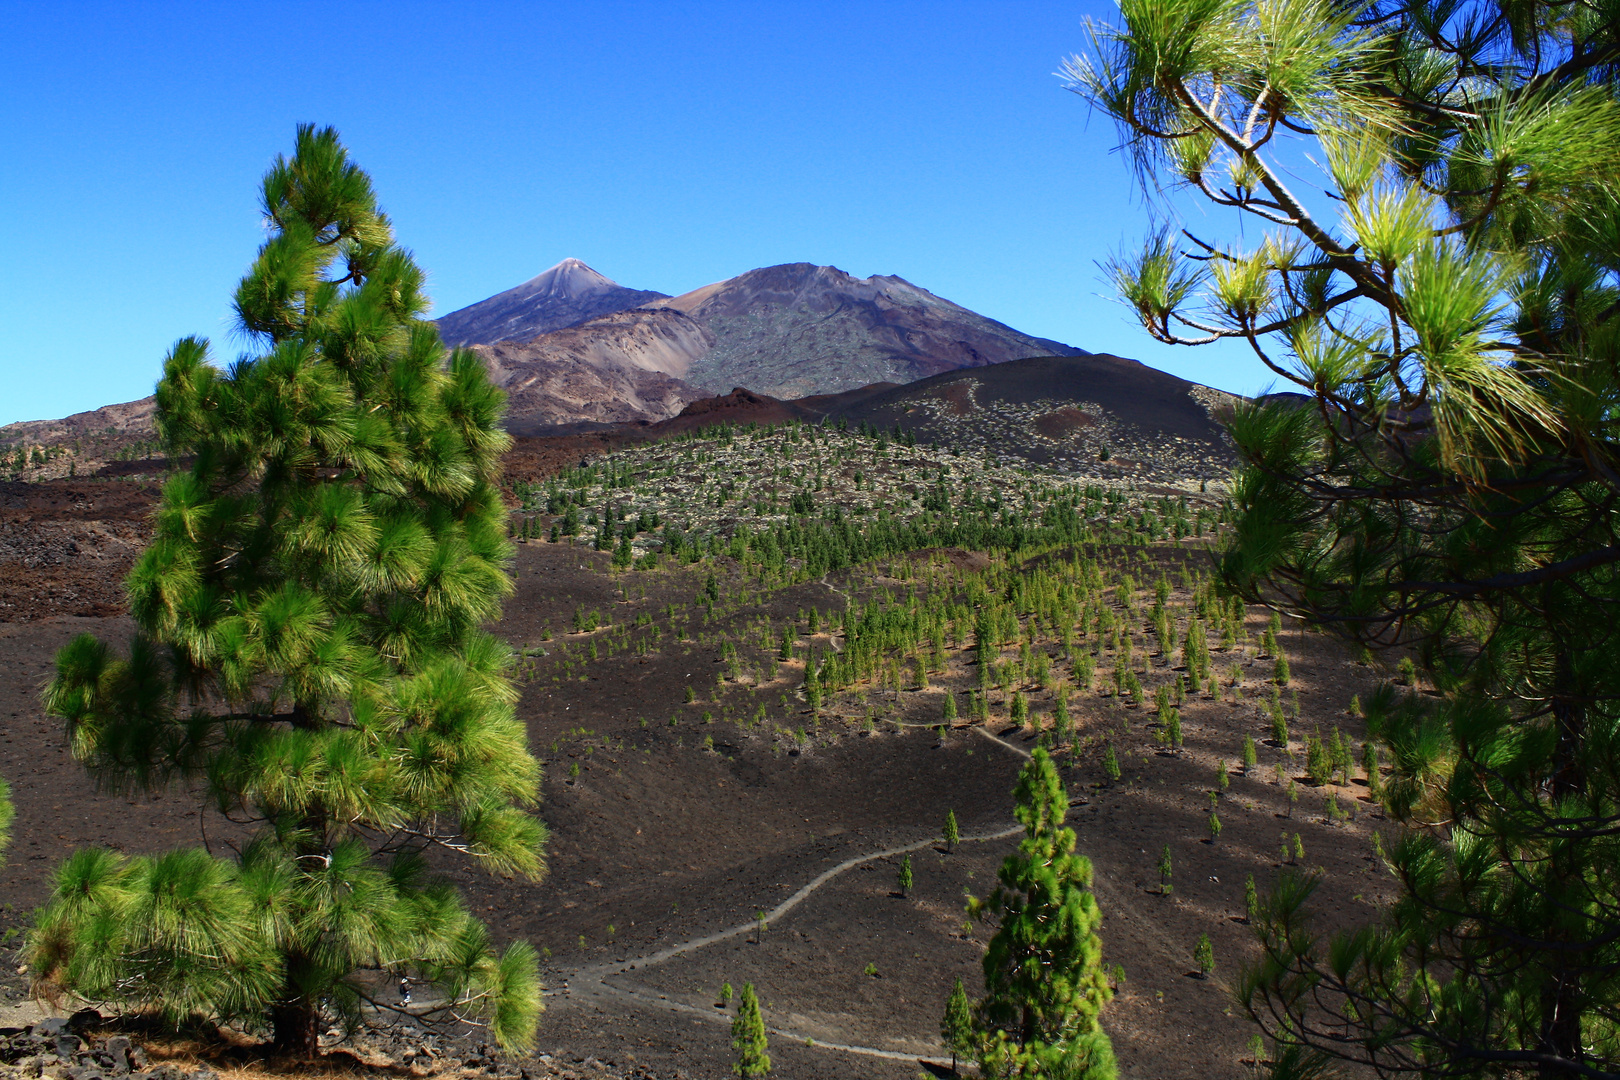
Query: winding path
x,y
590,984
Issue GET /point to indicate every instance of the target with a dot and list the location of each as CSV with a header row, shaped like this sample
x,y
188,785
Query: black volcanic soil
x,y
65,545
658,840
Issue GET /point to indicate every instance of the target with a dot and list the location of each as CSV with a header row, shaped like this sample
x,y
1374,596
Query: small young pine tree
x,y
1204,956
949,710
1251,899
1280,674
1250,755
1062,724
1223,777
1339,751
956,1026
1369,765
1214,826
1020,709
748,1039
1165,871
1299,849
1279,722
905,876
952,836
1110,764
1044,977
1318,761
309,655
725,994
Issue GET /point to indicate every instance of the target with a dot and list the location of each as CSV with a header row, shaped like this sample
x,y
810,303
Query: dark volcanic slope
x,y
1062,411
568,293
1057,411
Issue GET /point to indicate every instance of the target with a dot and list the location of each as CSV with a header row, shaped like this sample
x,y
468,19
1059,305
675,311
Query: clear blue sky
x,y
667,145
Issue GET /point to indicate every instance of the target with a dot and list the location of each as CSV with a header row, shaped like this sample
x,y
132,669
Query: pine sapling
x,y
748,1037
1251,900
1110,764
725,995
952,836
956,1027
1369,765
905,876
1250,755
1204,956
1165,870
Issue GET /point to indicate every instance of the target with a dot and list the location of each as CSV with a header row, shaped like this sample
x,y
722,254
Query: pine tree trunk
x,y
1561,990
293,1021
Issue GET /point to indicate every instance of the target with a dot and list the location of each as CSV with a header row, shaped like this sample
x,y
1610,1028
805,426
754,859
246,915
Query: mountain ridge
x,y
787,331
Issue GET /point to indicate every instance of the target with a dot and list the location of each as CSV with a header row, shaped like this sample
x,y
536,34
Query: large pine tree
x,y
309,656
1043,973
1451,312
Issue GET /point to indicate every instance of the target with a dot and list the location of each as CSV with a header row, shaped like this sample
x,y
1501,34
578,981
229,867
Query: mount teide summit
x,y
568,293
788,331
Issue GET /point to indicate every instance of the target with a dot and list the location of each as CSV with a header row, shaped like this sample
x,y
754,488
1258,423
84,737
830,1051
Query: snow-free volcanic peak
x,y
565,295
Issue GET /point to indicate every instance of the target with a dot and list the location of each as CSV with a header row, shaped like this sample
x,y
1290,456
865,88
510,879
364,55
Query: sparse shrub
x,y
1408,671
